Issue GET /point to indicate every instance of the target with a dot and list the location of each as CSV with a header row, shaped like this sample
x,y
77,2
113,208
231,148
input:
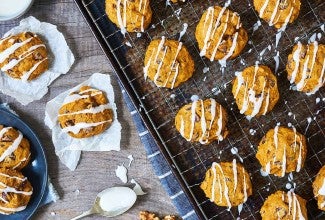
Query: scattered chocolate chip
x,y
197,118
29,34
283,4
4,196
12,156
18,40
37,56
6,138
69,123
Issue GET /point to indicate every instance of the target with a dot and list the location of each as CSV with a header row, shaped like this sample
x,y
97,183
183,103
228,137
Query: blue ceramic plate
x,y
36,171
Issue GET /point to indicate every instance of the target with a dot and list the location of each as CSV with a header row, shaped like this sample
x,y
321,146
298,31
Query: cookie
x,y
23,56
145,215
255,90
220,34
319,188
85,113
278,13
16,191
14,149
306,67
282,205
168,63
227,184
202,121
129,15
282,150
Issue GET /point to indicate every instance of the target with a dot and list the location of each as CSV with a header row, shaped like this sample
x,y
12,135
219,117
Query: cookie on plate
x,y
306,67
131,16
220,34
16,191
282,205
202,121
85,113
168,63
278,13
23,56
319,188
282,150
255,90
14,149
227,184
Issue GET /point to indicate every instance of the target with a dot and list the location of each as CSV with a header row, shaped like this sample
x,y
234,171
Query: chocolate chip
x,y
69,123
29,34
12,156
18,40
197,118
283,4
4,196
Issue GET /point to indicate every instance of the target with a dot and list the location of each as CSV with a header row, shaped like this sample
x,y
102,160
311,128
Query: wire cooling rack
x,y
158,106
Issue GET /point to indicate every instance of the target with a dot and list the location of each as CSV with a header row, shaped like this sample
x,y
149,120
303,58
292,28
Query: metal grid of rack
x,y
160,105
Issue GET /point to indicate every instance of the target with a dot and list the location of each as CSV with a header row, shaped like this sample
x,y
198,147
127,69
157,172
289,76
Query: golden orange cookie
x,y
319,188
220,34
227,184
282,150
286,206
278,13
85,113
16,191
202,121
168,63
306,67
255,90
23,56
129,15
14,149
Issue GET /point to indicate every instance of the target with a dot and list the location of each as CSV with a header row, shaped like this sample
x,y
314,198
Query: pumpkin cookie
x,y
220,34
129,15
282,150
227,184
23,56
282,205
255,90
278,13
168,63
85,113
306,67
319,188
16,191
14,149
202,121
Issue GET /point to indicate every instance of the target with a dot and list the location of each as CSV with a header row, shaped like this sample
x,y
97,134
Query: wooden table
x,y
96,170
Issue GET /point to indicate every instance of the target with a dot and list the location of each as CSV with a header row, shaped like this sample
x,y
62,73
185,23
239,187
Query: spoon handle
x,y
84,214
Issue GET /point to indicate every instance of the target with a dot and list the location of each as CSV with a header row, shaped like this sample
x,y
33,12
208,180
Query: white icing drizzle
x,y
27,74
180,44
12,63
193,115
234,169
226,190
13,177
82,125
203,123
75,97
121,21
214,182
4,130
182,128
299,162
220,138
321,80
302,82
296,56
321,190
261,12
181,34
7,52
18,209
8,189
15,144
294,205
92,110
20,162
284,162
275,10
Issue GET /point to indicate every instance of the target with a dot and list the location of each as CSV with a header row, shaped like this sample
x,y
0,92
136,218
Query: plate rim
x,y
43,189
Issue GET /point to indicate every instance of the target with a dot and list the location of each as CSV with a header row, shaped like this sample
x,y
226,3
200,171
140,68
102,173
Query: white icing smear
x,y
137,188
82,125
117,198
130,157
15,144
121,173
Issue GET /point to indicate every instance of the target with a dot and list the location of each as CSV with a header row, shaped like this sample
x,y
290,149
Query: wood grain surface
x,y
96,170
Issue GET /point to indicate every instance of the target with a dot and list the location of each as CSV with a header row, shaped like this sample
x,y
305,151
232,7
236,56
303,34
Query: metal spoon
x,y
111,202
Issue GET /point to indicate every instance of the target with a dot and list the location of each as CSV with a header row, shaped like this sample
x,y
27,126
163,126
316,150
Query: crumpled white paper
x,y
67,148
60,61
